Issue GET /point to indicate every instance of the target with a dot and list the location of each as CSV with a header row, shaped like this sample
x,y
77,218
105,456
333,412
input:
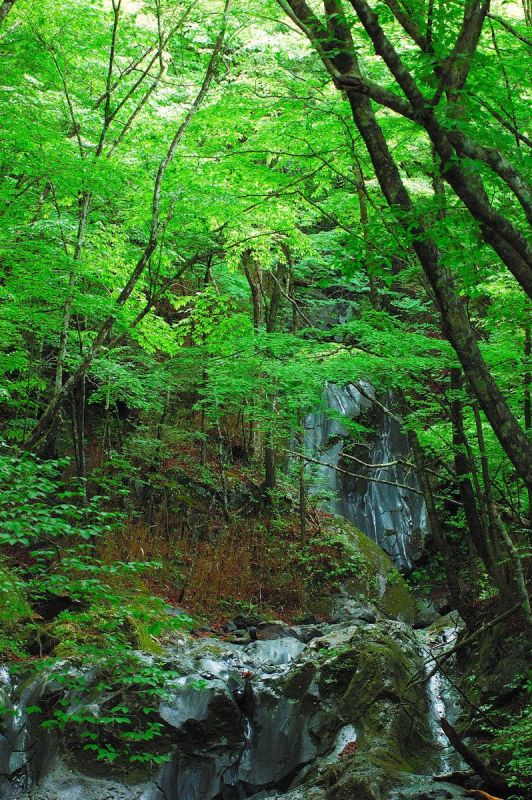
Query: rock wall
x,y
321,712
393,516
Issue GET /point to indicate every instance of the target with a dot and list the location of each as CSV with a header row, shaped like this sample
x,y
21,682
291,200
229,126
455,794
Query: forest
x,y
265,399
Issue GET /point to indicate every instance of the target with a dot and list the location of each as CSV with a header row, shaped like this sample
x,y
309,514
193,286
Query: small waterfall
x,y
442,696
244,721
392,515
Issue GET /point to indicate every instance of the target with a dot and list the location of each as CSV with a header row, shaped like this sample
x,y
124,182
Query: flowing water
x,y
248,721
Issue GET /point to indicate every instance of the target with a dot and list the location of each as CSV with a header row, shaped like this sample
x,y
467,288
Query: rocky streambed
x,y
317,711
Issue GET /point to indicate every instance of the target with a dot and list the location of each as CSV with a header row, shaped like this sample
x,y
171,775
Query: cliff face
x,y
371,488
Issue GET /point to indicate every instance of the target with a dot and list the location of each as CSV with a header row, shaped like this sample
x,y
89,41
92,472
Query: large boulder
x,y
367,681
371,580
336,719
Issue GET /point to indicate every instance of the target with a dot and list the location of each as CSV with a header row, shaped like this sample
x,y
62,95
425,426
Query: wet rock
x,y
426,614
393,517
250,621
273,630
297,683
365,679
306,633
424,787
374,582
275,652
309,619
331,720
335,636
449,621
66,783
349,609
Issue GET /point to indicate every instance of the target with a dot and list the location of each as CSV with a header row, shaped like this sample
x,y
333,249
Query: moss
x,y
370,676
144,640
298,682
376,579
397,603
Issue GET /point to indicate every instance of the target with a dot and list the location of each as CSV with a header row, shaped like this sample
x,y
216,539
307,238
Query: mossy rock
x,y
370,683
374,578
299,680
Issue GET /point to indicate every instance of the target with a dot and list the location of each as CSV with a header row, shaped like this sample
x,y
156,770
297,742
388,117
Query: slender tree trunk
x,y
509,555
363,215
455,323
270,470
463,469
41,432
300,438
223,478
275,298
84,205
435,529
252,274
527,386
5,8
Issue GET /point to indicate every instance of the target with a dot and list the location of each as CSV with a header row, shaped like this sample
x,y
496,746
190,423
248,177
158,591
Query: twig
x,y
491,776
466,641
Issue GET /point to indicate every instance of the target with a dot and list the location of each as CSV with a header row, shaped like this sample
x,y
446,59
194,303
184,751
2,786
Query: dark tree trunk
x,y
463,469
5,8
270,471
435,529
275,298
455,324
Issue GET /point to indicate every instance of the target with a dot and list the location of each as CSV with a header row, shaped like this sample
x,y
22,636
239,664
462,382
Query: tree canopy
x,y
211,209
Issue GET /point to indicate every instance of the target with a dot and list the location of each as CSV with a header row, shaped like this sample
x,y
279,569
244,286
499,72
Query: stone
x,y
349,609
375,581
331,720
306,633
273,630
250,621
309,619
426,614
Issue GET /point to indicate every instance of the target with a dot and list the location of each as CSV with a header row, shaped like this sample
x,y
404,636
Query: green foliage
x,y
278,267
511,736
110,615
112,716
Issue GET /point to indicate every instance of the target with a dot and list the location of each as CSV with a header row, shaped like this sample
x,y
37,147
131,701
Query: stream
x,y
279,717
322,710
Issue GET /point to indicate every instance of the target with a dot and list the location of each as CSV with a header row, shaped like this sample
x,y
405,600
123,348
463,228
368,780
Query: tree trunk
x,y
493,779
435,529
41,431
5,8
463,469
455,323
527,384
251,271
275,298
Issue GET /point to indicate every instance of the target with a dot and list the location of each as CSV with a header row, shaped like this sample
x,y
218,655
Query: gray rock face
x,y
393,517
273,718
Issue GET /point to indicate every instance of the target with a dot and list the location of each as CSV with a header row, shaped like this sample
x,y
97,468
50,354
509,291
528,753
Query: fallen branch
x,y
445,657
366,477
492,777
353,474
